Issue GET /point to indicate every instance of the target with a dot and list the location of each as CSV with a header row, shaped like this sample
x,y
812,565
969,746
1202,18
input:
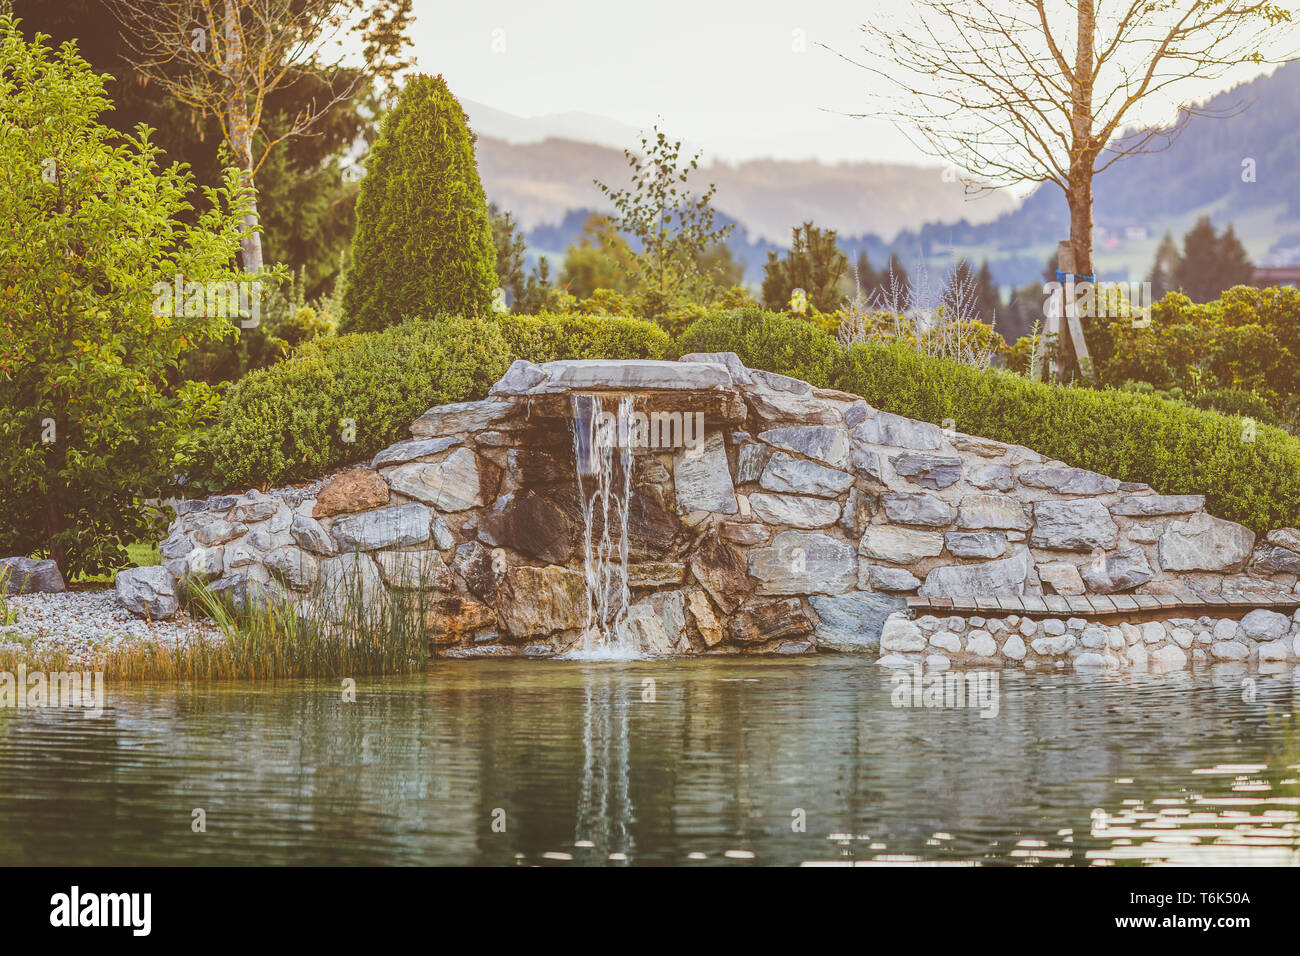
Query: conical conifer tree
x,y
423,243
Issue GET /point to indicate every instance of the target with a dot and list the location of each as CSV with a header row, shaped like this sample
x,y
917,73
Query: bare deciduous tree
x,y
1031,91
226,58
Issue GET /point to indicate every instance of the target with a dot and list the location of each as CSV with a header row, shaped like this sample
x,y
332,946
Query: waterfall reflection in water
x,y
1078,769
605,811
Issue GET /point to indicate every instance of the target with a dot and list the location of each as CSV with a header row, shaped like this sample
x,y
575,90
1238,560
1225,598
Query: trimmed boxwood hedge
x,y
550,338
285,423
1173,448
765,340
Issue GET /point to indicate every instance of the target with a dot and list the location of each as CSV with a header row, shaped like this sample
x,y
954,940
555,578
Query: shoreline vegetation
x,y
342,635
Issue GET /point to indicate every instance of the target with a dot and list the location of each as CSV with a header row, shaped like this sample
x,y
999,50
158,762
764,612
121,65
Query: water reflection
x,y
517,762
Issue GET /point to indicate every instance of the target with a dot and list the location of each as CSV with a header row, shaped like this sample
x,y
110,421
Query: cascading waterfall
x,y
596,433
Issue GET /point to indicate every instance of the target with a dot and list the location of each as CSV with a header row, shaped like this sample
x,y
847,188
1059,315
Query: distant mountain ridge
x,y
540,182
880,208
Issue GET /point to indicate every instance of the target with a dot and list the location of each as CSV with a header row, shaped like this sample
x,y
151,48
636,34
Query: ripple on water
x,y
726,762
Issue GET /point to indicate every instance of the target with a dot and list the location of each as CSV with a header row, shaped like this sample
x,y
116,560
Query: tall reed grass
x,y
340,631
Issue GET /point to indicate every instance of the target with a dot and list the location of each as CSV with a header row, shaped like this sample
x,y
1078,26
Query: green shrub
x,y
286,423
423,243
289,422
1173,448
766,340
548,338
1235,401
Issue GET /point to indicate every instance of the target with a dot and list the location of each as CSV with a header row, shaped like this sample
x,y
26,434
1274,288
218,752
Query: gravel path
x,y
88,624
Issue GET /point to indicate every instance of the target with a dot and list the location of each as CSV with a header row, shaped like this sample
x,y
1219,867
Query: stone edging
x,y
1261,638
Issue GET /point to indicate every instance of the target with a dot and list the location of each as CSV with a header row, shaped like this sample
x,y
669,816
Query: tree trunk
x,y
1083,153
241,133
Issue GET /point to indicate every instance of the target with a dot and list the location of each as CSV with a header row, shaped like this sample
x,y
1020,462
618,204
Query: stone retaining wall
x,y
1260,639
799,520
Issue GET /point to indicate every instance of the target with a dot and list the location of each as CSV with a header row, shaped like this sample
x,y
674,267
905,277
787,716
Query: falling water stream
x,y
596,435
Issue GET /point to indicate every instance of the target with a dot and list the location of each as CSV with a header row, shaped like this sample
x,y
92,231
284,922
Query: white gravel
x,y
86,625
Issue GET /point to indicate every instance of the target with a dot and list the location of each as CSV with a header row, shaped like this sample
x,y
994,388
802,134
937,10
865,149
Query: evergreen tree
x,y
423,243
1235,267
815,264
868,279
1165,268
894,279
988,298
1212,263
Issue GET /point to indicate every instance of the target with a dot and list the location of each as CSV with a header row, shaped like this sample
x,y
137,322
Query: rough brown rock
x,y
455,618
536,601
357,490
779,620
530,524
721,571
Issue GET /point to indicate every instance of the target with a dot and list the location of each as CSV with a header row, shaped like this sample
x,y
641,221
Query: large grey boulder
x,y
703,478
796,511
899,545
918,509
928,471
976,544
1069,481
852,622
621,375
886,428
799,476
1205,543
1118,572
147,592
826,443
395,527
990,511
26,576
462,417
1002,578
1146,506
453,483
1262,625
802,562
413,448
1079,525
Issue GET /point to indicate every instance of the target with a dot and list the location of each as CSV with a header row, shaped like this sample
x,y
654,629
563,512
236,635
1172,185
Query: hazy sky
x,y
739,78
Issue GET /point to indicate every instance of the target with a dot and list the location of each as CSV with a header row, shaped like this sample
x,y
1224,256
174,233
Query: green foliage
x,y
423,244
765,340
673,229
1175,449
1246,341
814,264
528,291
290,422
550,338
600,259
91,416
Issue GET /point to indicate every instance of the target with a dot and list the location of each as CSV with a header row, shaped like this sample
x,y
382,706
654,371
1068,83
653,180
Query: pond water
x,y
525,762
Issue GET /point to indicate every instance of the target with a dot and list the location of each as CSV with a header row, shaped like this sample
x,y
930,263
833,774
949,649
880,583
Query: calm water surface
x,y
1074,769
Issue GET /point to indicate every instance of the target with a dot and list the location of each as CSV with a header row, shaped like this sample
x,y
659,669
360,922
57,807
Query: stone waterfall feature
x,y
701,507
596,434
